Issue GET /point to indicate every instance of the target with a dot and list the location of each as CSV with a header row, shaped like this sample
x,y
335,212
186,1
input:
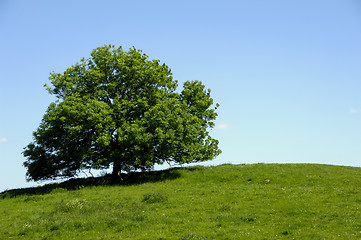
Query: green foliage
x,y
300,202
120,109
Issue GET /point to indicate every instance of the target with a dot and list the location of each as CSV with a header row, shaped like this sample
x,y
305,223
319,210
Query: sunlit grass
x,y
262,201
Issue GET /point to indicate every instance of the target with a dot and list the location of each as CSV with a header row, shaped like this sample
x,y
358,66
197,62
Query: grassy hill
x,y
261,201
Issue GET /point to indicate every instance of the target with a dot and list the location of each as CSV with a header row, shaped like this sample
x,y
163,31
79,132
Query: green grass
x,y
262,201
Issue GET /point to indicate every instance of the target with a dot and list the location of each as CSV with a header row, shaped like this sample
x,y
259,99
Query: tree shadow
x,y
132,178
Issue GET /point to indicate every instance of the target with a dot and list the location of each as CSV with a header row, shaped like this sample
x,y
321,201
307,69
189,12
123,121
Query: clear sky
x,y
287,74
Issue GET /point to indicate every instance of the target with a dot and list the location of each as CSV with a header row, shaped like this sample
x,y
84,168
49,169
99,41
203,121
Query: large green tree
x,y
118,109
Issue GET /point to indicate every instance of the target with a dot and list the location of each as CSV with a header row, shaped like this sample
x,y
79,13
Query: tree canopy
x,y
118,109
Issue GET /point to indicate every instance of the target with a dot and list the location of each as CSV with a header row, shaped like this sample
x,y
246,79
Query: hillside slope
x,y
261,201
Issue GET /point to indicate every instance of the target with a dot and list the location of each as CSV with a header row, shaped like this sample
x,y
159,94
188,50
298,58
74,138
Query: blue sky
x,y
286,73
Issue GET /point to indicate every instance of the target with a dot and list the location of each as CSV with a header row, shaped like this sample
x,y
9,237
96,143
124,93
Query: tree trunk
x,y
117,169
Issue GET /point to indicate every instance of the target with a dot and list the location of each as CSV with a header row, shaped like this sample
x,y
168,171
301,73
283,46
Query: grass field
x,y
261,201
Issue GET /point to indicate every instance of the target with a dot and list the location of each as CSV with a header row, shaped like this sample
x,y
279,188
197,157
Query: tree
x,y
118,109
